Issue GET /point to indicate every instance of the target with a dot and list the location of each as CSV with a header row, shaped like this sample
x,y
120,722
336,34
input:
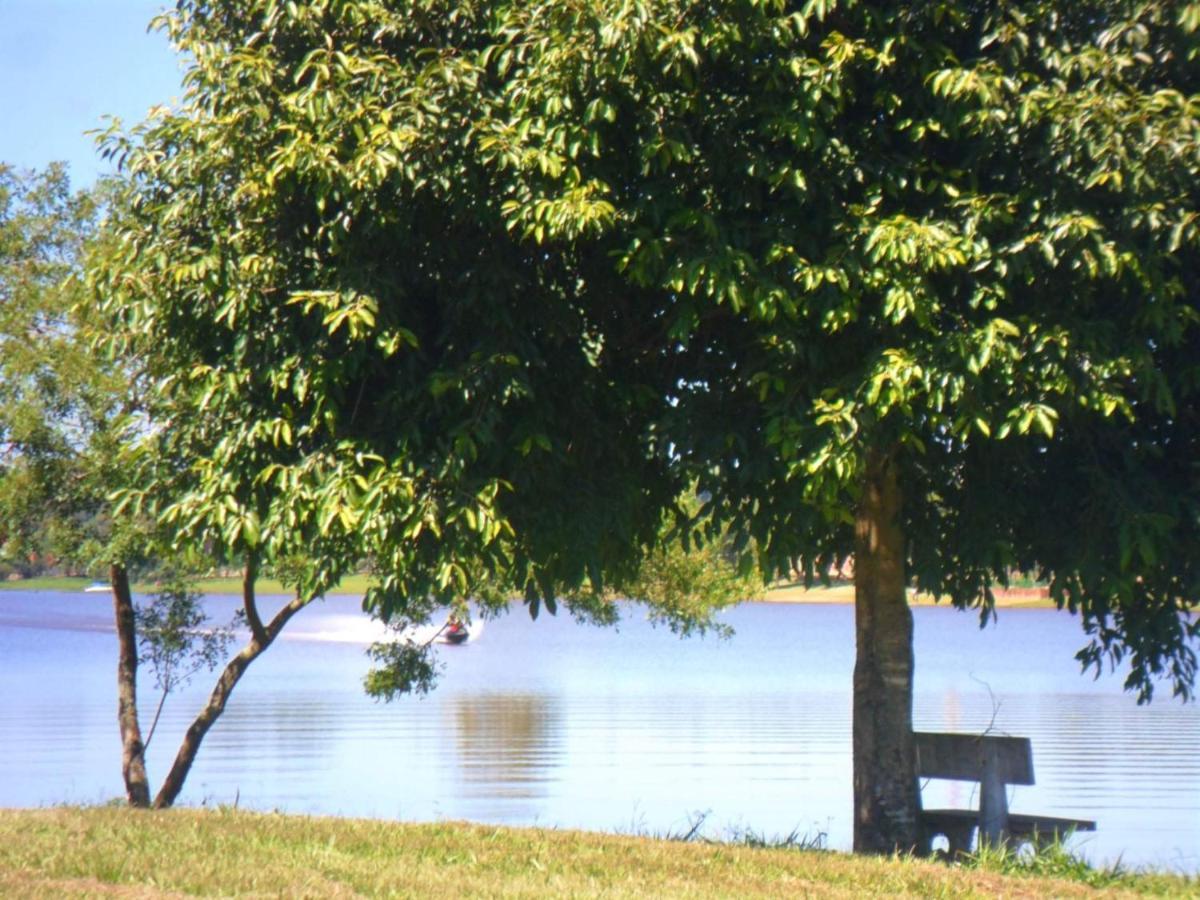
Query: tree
x,y
476,290
345,366
65,417
51,398
929,276
174,637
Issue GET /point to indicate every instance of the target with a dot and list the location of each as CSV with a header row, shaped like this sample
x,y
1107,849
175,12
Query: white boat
x,y
97,587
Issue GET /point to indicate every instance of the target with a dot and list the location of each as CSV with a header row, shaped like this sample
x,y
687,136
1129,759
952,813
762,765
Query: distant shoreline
x,y
838,593
843,593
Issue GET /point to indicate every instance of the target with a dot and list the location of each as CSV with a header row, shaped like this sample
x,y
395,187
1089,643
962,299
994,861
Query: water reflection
x,y
508,751
281,727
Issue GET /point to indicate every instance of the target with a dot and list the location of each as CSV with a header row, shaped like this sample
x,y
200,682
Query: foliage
x,y
58,400
477,291
684,580
332,370
920,270
174,638
402,667
684,588
341,372
683,583
960,236
502,280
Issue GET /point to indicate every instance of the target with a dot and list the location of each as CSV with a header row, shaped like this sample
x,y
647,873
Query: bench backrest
x,y
966,757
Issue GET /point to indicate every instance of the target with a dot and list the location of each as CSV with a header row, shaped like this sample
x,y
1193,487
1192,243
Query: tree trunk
x,y
886,799
261,638
133,752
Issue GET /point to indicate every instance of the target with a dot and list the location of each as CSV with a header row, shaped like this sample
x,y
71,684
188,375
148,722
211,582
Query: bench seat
x,y
958,827
1045,828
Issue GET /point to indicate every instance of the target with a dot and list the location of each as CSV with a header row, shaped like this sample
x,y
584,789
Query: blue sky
x,y
66,63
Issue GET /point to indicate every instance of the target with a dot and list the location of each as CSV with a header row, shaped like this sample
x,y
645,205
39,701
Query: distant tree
x,y
58,401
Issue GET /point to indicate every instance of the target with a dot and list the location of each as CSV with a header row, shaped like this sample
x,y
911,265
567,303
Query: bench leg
x,y
960,839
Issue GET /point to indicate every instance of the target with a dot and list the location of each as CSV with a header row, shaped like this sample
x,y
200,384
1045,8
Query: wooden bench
x,y
994,762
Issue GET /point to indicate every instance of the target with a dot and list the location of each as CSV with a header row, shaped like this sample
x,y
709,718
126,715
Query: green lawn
x,y
111,851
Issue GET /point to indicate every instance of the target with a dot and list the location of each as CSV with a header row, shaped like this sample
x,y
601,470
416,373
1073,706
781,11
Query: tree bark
x,y
133,752
886,794
261,638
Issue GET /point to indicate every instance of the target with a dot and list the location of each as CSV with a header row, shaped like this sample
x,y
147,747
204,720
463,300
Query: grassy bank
x,y
843,592
46,583
112,851
354,585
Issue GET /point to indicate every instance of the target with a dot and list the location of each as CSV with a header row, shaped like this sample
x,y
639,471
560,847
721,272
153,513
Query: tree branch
x,y
162,700
250,604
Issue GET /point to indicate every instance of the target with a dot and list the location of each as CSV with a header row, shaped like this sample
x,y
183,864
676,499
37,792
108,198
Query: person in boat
x,y
456,632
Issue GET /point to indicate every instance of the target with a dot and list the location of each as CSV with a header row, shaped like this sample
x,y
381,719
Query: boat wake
x,y
359,629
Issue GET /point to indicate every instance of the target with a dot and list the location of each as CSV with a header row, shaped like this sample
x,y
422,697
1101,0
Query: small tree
x,y
176,640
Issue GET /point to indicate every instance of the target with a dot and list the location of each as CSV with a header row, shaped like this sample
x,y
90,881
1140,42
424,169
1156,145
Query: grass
x,y
1055,860
71,851
747,837
46,583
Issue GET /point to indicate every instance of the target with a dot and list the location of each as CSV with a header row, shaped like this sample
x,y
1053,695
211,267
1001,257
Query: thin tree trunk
x,y
133,752
886,798
162,701
261,638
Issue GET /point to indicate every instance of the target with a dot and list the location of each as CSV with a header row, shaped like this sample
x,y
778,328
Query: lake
x,y
557,724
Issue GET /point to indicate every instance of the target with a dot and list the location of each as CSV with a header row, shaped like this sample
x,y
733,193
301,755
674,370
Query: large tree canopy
x,y
479,288
348,359
316,266
957,235
931,274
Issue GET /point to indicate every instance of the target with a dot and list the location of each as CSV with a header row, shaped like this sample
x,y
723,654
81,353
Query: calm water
x,y
557,724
